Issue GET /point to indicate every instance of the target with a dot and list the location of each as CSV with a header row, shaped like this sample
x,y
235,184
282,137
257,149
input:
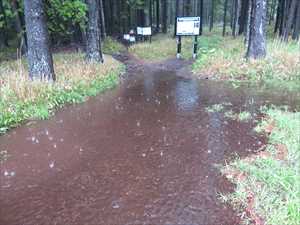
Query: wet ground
x,y
144,153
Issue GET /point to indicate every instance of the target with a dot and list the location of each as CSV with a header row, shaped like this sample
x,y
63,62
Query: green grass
x,y
225,60
215,108
21,99
244,116
111,46
274,183
163,47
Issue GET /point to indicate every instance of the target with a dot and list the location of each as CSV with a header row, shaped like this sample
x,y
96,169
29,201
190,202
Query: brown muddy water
x,y
143,153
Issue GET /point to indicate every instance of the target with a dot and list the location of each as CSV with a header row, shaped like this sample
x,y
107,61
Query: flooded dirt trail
x,y
143,153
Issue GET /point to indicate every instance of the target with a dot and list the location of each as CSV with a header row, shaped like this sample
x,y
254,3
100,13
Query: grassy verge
x,y
268,184
21,99
110,46
226,61
163,46
223,58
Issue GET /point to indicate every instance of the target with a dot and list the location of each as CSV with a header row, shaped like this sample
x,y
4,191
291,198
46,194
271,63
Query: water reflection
x,y
187,94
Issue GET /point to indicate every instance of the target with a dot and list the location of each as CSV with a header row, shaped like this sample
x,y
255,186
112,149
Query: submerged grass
x,y
22,99
273,181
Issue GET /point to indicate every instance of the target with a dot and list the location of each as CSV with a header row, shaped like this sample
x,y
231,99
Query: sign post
x,y
144,31
178,47
187,26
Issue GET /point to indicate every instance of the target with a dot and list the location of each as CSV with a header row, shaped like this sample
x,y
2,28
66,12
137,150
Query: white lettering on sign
x,y
188,26
145,31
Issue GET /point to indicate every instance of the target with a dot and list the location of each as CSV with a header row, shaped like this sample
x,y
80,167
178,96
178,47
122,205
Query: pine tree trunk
x,y
39,55
243,16
296,32
157,16
236,18
93,49
3,37
278,17
212,12
257,41
201,17
164,16
103,28
247,33
283,15
290,19
176,15
225,16
150,13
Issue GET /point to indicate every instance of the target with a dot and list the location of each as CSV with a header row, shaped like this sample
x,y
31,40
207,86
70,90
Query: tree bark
x,y
93,49
3,36
290,19
150,13
257,41
243,16
225,17
236,18
278,17
103,27
39,56
296,32
157,16
164,16
212,12
201,17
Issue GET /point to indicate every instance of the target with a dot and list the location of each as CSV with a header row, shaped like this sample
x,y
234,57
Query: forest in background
x,y
67,19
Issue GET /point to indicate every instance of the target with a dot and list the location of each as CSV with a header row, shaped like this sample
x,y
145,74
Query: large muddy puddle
x,y
143,153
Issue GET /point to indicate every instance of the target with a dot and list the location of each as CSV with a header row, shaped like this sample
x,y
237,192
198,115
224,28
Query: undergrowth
x,y
22,99
111,46
274,183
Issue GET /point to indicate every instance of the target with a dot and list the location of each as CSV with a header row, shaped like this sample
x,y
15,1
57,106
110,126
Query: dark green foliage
x,y
66,19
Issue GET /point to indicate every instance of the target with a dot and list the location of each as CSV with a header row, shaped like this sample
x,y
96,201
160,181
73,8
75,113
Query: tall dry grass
x,y
70,69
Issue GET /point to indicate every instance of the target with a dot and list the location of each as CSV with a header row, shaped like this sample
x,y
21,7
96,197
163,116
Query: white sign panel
x,y
188,26
126,37
145,31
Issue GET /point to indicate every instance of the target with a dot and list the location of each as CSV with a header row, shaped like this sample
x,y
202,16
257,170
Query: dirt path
x,y
143,153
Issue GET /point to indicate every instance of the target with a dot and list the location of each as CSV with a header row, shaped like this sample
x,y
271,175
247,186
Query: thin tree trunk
x,y
297,24
201,17
164,16
225,17
247,36
103,28
283,15
236,18
93,49
291,16
3,37
150,13
176,15
278,17
212,12
157,16
39,56
257,41
243,16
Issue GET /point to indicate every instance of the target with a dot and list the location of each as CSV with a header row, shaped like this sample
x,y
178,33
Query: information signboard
x,y
188,26
144,31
